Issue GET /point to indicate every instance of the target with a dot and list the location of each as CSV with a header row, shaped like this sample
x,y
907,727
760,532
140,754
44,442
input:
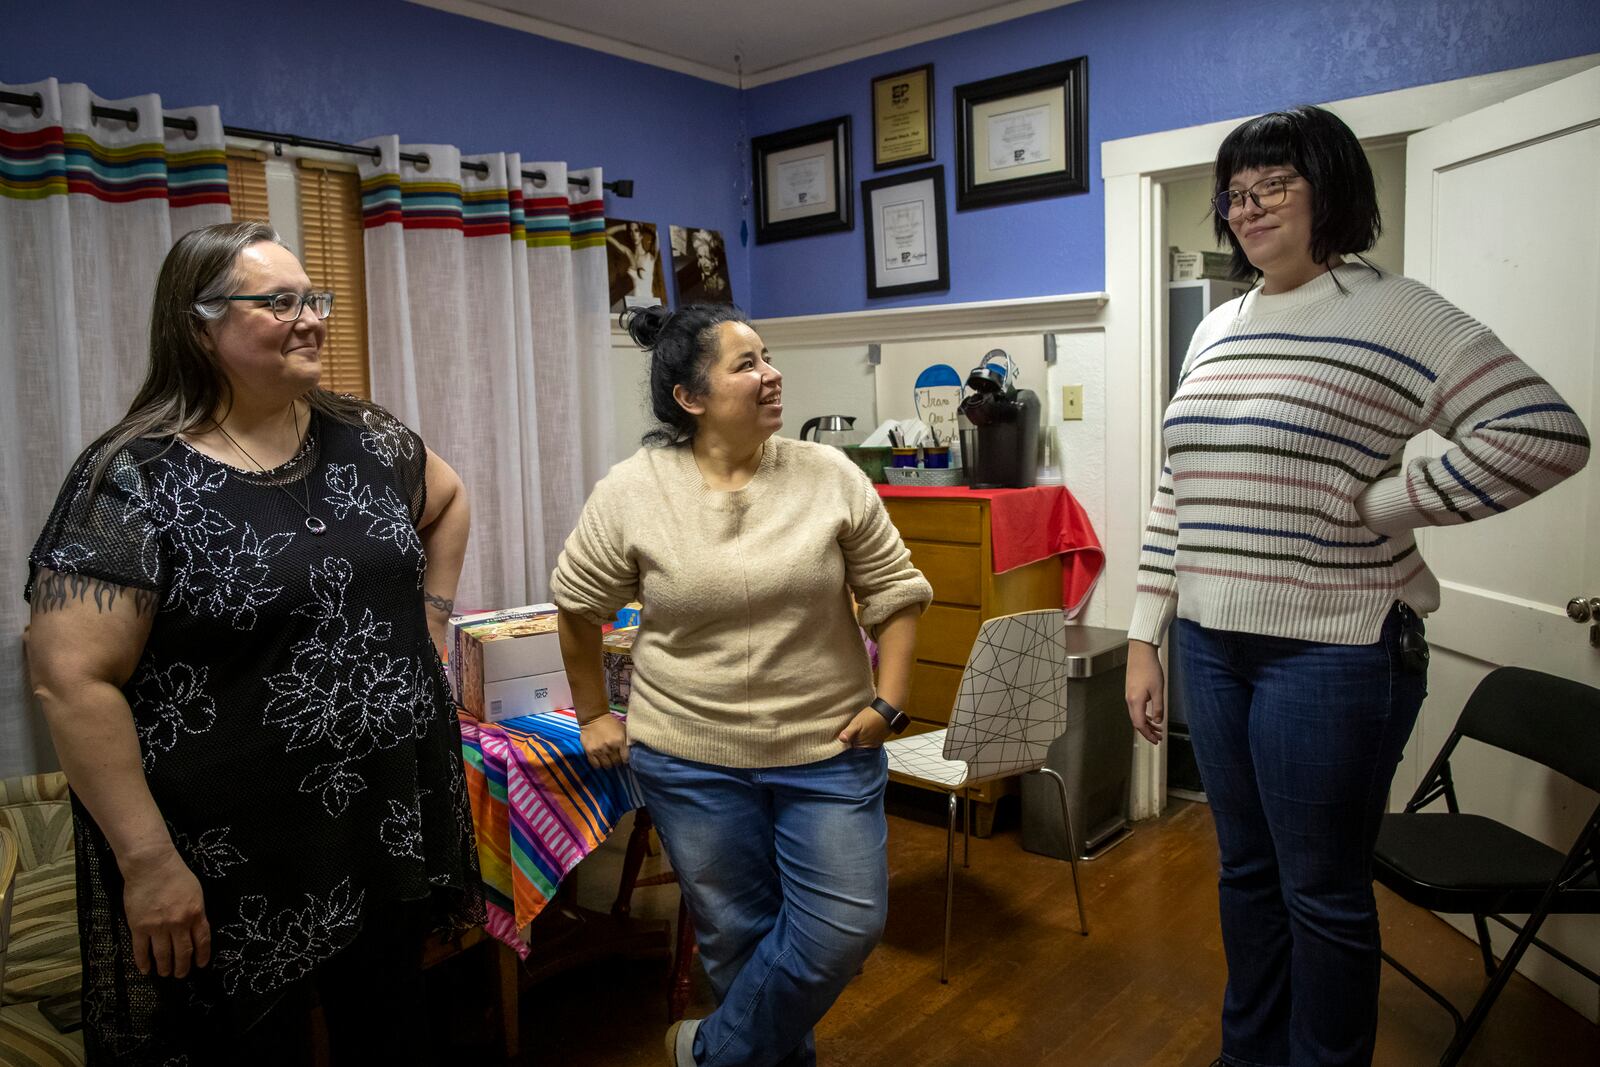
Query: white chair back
x,y
1013,698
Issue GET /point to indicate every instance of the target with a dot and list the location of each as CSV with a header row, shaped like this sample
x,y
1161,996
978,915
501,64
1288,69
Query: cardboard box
x,y
1192,266
529,695
617,656
517,644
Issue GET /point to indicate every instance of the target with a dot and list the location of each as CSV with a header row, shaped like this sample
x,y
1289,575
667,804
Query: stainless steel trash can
x,y
1093,756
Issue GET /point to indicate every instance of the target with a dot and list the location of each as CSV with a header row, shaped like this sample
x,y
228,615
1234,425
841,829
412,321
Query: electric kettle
x,y
835,430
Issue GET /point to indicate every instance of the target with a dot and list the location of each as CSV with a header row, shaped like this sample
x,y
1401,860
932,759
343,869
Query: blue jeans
x,y
1297,743
786,873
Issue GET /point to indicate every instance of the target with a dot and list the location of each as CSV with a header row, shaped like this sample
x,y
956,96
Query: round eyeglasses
x,y
287,307
1268,192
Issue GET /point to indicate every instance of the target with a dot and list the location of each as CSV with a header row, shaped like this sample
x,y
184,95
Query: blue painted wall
x,y
348,69
1153,65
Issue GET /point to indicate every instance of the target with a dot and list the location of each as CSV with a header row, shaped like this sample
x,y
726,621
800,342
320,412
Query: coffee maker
x,y
999,429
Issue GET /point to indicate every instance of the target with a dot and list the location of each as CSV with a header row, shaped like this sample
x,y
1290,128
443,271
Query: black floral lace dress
x,y
292,715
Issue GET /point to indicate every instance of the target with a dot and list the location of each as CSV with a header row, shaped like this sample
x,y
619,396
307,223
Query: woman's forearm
x,y
581,655
897,642
445,541
95,740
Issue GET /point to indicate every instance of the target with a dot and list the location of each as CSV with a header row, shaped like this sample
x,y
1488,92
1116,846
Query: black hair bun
x,y
644,325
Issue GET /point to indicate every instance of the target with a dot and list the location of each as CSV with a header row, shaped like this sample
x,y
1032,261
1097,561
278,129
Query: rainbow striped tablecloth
x,y
539,808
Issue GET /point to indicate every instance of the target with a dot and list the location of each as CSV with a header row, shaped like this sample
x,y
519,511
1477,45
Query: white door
x,y
1503,218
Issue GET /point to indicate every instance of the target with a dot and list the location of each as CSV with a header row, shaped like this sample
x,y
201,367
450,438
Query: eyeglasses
x,y
287,307
1268,192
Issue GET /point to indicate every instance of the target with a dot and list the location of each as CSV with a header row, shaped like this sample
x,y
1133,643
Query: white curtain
x,y
490,336
88,209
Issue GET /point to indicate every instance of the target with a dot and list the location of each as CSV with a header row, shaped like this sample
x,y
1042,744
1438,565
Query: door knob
x,y
1581,610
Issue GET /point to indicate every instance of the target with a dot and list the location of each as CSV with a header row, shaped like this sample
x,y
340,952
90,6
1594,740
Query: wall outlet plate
x,y
1071,403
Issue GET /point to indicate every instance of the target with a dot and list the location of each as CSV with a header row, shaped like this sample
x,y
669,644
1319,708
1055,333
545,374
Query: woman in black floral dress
x,y
236,609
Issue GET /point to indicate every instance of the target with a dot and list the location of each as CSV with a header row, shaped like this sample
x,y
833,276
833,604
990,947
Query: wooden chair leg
x,y
632,859
682,964
507,975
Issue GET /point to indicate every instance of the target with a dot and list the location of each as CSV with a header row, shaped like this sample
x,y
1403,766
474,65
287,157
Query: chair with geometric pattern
x,y
1011,705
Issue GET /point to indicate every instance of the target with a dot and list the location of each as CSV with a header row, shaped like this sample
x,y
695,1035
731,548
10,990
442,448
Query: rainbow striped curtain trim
x,y
589,223
547,222
385,199
49,162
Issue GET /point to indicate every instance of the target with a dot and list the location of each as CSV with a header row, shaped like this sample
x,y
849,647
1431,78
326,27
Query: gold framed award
x,y
902,118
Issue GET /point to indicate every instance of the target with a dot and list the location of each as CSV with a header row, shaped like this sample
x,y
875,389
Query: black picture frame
x,y
782,215
925,189
978,107
878,162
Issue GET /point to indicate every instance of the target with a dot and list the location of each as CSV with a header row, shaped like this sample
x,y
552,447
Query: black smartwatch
x,y
897,719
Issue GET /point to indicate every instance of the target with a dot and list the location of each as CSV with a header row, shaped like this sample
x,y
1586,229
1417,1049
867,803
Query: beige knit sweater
x,y
748,653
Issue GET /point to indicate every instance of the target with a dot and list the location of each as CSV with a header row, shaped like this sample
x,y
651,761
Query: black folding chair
x,y
1471,865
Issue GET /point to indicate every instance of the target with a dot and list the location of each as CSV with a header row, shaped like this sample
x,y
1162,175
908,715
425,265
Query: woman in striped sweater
x,y
1281,538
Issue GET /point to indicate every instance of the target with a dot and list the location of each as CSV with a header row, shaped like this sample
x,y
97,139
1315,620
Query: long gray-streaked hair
x,y
184,385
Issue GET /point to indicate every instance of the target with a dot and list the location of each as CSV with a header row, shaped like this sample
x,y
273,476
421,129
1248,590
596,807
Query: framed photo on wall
x,y
1023,136
907,251
633,265
802,181
700,261
902,118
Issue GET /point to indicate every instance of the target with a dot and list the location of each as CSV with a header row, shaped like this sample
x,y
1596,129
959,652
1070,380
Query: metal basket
x,y
939,476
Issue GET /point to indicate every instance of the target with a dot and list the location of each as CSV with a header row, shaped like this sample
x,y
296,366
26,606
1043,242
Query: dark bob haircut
x,y
1323,150
682,346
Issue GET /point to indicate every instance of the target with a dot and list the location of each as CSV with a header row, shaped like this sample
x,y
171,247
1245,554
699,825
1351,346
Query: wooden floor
x,y
1026,989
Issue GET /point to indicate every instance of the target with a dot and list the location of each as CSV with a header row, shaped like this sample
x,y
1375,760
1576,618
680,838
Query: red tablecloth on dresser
x,y
1026,525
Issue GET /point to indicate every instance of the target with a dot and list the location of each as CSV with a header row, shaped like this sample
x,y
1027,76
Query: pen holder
x,y
904,457
936,457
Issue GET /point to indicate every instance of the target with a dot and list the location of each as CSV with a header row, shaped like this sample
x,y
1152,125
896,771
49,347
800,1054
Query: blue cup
x,y
936,457
905,457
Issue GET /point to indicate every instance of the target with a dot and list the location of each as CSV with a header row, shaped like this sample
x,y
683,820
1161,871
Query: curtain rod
x,y
622,187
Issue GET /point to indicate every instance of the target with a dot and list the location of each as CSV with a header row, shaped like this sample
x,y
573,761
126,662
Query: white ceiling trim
x,y
582,38
932,32
484,12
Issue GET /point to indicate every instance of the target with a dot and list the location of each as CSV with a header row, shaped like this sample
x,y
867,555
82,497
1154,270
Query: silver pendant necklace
x,y
314,524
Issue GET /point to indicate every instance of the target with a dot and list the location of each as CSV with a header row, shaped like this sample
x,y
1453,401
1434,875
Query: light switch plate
x,y
1071,402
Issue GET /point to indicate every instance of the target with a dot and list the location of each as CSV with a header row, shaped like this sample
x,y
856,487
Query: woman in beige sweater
x,y
754,726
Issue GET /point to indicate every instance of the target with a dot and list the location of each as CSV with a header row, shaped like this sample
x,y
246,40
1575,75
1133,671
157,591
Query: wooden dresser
x,y
949,541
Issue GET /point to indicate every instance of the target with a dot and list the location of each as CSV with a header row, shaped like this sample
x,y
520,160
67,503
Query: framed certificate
x,y
905,229
802,181
902,118
1023,136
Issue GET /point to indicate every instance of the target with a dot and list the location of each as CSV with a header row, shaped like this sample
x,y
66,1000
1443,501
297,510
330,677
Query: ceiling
x,y
743,42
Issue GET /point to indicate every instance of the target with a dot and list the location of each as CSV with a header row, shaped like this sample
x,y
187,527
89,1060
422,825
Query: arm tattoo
x,y
439,603
53,589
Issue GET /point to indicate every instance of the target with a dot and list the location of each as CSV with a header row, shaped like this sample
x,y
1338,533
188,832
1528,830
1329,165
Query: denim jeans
x,y
1297,744
786,874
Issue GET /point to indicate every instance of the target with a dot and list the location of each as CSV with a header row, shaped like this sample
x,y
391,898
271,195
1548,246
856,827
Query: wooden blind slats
x,y
334,257
247,186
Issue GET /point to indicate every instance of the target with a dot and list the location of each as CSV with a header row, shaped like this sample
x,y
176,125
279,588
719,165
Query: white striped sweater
x,y
1284,507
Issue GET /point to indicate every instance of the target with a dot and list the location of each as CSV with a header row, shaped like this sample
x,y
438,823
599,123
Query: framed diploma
x,y
905,230
802,181
1023,136
902,118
